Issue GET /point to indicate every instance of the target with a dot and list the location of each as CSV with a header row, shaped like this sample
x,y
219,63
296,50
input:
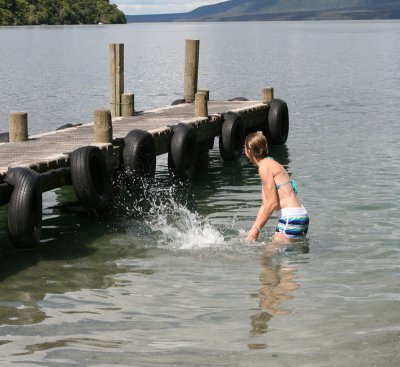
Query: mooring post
x,y
206,91
103,126
18,127
127,104
200,105
192,48
267,95
116,77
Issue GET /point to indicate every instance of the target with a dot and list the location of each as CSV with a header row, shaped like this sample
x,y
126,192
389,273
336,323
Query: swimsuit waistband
x,y
293,211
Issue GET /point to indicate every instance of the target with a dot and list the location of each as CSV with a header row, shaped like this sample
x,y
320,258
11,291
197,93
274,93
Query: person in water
x,y
278,193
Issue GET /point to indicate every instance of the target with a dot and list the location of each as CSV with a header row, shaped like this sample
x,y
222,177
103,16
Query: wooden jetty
x,y
122,140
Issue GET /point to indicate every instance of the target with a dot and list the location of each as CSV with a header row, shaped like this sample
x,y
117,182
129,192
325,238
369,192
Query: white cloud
x,y
160,6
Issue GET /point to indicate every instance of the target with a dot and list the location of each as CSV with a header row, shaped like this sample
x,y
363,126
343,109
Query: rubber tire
x,y
139,155
25,207
91,179
231,139
4,137
178,102
238,99
182,155
278,122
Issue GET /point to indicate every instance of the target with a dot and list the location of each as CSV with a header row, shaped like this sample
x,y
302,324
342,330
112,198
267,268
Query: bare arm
x,y
270,202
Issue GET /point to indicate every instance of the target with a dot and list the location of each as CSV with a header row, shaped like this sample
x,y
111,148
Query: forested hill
x,y
236,10
32,12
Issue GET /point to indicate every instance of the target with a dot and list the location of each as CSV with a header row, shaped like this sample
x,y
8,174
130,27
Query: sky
x,y
133,7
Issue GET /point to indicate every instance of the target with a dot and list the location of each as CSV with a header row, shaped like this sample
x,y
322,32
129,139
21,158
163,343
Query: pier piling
x,y
206,91
127,104
103,133
18,127
192,48
267,95
200,106
116,77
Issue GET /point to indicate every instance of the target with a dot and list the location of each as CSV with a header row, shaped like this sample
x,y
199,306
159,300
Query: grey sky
x,y
160,6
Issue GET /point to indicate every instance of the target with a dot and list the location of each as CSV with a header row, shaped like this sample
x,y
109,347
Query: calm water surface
x,y
169,279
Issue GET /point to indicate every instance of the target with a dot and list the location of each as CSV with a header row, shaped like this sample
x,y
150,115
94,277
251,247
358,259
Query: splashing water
x,y
180,228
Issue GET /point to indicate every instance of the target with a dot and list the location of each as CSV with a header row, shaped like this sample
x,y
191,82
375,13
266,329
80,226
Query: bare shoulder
x,y
266,168
270,166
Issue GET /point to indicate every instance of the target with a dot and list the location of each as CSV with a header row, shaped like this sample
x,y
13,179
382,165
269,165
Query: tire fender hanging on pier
x,y
277,129
182,155
91,179
25,207
139,155
231,139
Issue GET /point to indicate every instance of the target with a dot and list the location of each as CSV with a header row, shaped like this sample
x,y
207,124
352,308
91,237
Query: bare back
x,y
286,195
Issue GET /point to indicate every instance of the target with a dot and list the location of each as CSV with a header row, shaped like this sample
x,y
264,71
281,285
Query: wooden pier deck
x,y
52,150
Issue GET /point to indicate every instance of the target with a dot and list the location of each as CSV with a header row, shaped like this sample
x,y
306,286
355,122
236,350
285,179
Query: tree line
x,y
33,12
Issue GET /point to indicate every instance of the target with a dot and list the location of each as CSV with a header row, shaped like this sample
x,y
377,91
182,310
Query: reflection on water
x,y
75,264
278,280
77,252
70,342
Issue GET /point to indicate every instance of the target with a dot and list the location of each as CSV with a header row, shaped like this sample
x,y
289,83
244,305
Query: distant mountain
x,y
241,10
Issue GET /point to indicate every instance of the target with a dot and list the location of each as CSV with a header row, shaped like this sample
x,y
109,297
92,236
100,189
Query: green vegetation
x,y
32,12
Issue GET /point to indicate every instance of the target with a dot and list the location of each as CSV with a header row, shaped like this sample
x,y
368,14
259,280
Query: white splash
x,y
181,229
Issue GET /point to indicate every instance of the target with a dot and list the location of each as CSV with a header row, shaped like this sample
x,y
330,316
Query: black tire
x,y
4,138
67,126
182,153
91,179
231,139
277,130
178,102
238,99
25,207
139,155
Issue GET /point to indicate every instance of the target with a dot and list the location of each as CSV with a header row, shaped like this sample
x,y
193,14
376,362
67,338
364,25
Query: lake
x,y
169,279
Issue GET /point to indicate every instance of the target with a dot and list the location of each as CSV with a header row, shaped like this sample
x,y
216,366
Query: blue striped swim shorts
x,y
293,222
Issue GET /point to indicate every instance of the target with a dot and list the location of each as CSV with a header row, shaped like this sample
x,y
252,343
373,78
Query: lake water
x,y
169,279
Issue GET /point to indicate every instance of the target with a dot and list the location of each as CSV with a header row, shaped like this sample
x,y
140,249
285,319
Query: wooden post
x,y
200,106
127,104
116,77
206,91
192,48
103,126
267,95
18,127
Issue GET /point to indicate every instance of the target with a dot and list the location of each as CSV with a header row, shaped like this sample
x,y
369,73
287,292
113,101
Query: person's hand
x,y
253,234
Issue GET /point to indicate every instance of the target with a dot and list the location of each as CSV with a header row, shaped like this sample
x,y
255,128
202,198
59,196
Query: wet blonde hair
x,y
257,143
